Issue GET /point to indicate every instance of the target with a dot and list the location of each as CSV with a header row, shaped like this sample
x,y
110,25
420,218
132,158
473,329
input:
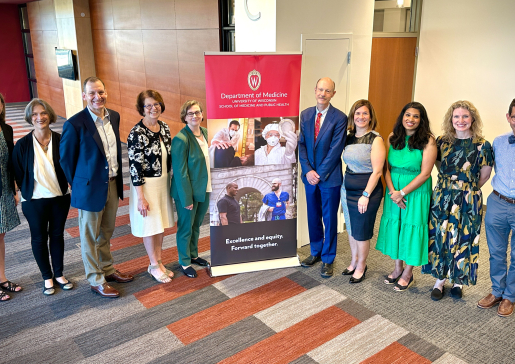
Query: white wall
x,y
467,52
255,35
296,17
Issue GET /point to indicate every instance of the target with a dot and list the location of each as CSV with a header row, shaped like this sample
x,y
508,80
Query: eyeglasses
x,y
149,107
196,113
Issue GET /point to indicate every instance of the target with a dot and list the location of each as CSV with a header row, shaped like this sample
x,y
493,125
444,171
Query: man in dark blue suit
x,y
91,158
323,129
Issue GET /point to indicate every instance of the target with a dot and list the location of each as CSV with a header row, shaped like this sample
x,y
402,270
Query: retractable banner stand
x,y
253,122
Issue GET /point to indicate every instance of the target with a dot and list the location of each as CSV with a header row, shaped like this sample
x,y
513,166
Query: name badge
x,y
278,204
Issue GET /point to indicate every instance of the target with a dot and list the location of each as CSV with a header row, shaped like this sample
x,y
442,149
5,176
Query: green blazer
x,y
189,181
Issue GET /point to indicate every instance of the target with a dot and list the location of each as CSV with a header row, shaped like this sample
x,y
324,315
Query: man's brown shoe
x,y
505,308
119,277
105,290
489,301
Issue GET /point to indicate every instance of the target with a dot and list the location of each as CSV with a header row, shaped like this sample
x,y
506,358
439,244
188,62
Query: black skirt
x,y
362,225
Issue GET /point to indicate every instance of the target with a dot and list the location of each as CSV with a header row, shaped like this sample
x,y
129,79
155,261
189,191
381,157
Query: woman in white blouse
x,y
44,191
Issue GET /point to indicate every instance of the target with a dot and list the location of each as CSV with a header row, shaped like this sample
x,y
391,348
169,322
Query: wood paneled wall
x,y
153,44
43,31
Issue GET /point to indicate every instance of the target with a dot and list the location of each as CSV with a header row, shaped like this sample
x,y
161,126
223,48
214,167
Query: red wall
x,y
14,84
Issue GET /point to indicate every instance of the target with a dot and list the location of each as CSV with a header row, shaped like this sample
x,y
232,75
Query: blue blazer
x,y
23,163
325,155
84,161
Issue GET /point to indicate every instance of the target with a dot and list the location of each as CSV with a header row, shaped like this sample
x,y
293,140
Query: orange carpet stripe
x,y
181,286
210,320
140,264
120,220
297,340
130,240
397,354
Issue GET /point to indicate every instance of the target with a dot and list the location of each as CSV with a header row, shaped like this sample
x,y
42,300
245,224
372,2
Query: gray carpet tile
x,y
61,352
143,349
421,347
303,280
37,338
355,309
95,341
221,344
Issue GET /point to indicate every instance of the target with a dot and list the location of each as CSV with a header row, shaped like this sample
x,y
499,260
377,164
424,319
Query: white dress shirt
x,y
106,132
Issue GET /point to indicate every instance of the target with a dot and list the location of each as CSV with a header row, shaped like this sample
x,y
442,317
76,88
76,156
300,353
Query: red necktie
x,y
317,125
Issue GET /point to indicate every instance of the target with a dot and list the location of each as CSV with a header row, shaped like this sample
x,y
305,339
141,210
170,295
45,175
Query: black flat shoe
x,y
309,261
456,292
403,288
347,272
327,270
64,286
189,272
48,291
436,294
200,261
392,280
360,279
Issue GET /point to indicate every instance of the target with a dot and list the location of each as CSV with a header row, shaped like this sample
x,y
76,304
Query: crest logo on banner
x,y
254,80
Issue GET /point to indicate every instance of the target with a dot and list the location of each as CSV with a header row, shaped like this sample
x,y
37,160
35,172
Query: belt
x,y
111,179
504,198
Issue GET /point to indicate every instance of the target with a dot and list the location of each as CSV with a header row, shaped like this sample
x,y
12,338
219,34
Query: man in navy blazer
x,y
91,158
323,129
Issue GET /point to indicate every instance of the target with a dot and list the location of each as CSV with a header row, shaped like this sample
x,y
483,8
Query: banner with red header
x,y
253,121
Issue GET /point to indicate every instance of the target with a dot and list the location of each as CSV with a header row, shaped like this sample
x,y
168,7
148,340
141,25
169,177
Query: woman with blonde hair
x,y
464,165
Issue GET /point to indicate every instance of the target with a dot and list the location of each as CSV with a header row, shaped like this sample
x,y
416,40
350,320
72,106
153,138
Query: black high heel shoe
x,y
400,288
347,272
392,280
360,279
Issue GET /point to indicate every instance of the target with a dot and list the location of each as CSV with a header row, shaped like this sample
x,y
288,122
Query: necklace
x,y
45,147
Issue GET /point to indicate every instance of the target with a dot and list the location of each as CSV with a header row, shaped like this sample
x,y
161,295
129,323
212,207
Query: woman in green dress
x,y
464,163
403,231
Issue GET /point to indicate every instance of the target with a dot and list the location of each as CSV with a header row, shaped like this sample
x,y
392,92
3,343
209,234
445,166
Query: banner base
x,y
224,270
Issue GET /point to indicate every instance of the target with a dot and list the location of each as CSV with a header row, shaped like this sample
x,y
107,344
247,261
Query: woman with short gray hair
x,y
45,193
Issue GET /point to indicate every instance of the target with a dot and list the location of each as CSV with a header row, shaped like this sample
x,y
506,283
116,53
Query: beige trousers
x,y
96,229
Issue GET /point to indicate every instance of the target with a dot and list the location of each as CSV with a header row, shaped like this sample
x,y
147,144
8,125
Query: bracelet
x,y
402,193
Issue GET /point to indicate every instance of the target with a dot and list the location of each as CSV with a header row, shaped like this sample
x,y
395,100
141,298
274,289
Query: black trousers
x,y
46,218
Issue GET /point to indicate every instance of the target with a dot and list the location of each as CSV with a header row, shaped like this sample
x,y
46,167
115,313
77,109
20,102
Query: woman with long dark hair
x,y
9,218
403,233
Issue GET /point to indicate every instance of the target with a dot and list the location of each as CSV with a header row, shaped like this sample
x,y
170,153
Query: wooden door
x,y
392,70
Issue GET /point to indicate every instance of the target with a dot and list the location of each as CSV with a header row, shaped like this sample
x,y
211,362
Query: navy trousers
x,y
323,204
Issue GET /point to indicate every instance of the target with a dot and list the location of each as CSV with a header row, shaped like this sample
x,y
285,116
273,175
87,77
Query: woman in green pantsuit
x,y
403,231
191,185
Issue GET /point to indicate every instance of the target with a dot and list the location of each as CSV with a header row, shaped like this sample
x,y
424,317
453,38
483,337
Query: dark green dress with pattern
x,y
457,210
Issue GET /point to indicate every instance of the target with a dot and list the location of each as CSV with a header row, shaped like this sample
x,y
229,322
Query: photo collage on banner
x,y
253,123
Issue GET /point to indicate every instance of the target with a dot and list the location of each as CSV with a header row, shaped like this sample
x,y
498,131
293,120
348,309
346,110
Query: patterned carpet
x,y
280,316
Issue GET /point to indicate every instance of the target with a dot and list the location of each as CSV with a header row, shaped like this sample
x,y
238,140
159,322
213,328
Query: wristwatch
x,y
366,194
402,193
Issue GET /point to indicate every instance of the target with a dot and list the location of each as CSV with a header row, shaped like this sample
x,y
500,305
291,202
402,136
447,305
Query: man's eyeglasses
x,y
196,113
149,107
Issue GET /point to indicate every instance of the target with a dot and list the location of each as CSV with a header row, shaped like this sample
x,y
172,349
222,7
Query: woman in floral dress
x,y
464,163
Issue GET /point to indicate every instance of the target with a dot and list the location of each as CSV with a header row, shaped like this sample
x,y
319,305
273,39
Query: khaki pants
x,y
96,229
